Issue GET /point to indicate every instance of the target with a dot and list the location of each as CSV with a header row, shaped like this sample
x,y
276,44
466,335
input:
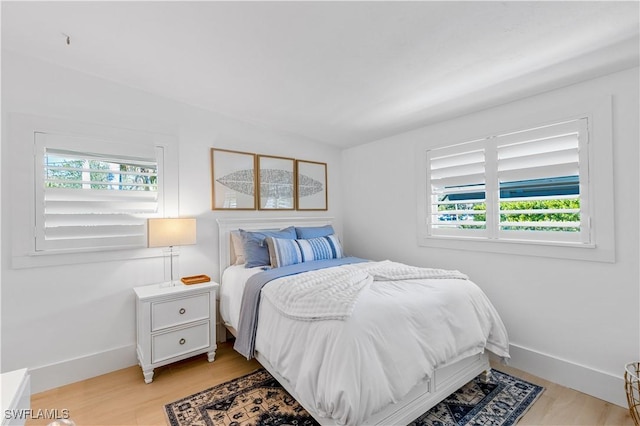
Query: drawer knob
x,y
182,311
182,341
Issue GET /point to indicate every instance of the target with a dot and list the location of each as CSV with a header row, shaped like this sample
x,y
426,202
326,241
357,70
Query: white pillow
x,y
238,247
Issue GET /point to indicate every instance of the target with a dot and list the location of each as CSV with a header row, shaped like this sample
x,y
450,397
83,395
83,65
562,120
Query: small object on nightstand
x,y
174,323
195,279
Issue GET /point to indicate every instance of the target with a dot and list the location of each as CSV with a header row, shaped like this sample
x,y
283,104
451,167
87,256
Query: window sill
x,y
44,259
571,251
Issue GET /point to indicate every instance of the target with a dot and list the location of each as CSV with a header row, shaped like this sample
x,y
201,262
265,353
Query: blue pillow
x,y
256,252
314,231
285,252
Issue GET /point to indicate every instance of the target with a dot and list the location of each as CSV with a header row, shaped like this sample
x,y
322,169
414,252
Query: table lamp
x,y
170,232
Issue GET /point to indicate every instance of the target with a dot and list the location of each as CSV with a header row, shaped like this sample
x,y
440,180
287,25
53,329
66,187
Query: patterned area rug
x,y
257,399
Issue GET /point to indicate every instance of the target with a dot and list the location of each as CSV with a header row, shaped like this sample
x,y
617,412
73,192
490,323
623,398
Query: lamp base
x,y
172,265
166,284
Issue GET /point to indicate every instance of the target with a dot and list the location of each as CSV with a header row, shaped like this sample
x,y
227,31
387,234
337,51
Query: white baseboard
x,y
599,384
62,373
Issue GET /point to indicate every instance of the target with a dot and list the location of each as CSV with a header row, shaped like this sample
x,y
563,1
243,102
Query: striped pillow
x,y
285,252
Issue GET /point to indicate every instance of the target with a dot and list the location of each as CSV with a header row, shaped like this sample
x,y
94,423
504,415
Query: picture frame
x,y
277,183
233,180
311,186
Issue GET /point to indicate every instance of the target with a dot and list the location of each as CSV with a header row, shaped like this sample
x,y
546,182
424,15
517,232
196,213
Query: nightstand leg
x,y
211,355
148,375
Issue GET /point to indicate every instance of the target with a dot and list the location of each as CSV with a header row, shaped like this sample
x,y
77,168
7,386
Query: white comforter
x,y
397,334
332,293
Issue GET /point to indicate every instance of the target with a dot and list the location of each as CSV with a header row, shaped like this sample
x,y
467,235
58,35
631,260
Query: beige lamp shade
x,y
171,232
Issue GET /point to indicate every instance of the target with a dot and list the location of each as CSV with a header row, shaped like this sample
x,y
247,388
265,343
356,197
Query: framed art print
x,y
233,180
311,189
277,183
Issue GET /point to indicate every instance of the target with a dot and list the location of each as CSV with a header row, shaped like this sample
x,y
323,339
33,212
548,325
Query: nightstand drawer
x,y
179,311
179,342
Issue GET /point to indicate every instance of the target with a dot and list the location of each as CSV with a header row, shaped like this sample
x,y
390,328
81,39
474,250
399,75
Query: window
x,y
40,237
530,185
90,196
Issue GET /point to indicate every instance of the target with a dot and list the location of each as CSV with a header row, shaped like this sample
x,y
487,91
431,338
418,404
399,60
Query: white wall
x,y
70,322
574,322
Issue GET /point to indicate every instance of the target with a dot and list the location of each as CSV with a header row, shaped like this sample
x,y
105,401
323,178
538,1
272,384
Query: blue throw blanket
x,y
248,323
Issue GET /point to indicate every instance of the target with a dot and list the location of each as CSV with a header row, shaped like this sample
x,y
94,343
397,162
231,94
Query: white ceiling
x,y
343,73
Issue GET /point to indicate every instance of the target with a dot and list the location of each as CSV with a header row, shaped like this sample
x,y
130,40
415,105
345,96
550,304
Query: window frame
x,y
599,152
21,131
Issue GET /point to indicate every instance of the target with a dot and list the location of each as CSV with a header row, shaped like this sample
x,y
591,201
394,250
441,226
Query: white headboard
x,y
226,225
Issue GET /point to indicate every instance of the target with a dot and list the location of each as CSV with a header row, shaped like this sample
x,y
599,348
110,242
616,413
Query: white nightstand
x,y
15,396
174,323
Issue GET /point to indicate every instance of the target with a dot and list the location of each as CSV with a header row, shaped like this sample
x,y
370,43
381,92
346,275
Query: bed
x,y
373,362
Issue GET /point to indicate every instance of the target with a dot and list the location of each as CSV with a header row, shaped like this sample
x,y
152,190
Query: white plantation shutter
x,y
91,198
530,185
548,154
535,159
456,182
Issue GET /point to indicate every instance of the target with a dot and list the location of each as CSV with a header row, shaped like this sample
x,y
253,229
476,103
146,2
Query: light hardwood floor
x,y
122,397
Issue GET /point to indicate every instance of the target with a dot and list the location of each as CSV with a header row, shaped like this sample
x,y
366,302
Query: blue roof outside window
x,y
566,185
